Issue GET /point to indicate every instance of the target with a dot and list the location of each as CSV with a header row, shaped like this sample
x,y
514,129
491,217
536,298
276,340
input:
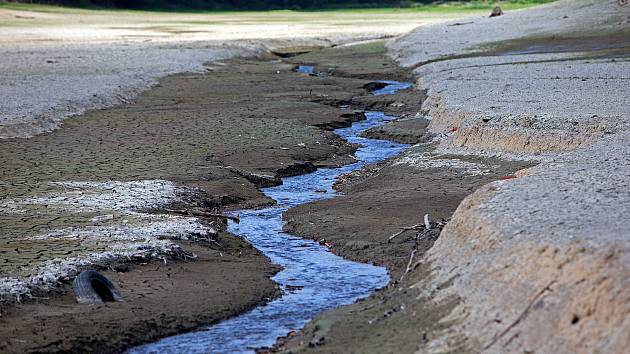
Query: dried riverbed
x,y
217,139
194,141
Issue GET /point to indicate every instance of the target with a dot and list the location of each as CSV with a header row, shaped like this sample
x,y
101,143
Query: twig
x,y
123,99
460,23
408,269
426,226
203,214
403,230
519,318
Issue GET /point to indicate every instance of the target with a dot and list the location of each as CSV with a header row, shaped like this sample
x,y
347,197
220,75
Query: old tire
x,y
92,288
375,86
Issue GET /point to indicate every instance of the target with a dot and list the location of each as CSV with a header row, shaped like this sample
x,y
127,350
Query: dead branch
x,y
427,223
408,269
403,230
426,226
192,212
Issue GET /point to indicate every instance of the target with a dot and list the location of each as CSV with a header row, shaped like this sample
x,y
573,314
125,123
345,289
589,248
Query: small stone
x,y
496,11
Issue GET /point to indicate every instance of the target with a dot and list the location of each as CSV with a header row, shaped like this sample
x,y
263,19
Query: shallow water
x,y
313,279
305,69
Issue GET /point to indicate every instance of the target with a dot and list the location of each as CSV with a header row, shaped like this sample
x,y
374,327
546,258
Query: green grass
x,y
434,8
446,7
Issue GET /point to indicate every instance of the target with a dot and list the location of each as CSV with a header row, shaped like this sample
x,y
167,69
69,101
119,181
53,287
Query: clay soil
x,y
160,299
215,131
376,202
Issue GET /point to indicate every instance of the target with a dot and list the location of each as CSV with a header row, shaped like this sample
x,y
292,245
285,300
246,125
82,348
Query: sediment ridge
x,y
537,259
539,262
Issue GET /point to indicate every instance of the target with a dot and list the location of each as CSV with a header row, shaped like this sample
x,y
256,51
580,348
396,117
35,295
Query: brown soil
x,y
377,202
221,132
218,132
380,200
160,299
405,131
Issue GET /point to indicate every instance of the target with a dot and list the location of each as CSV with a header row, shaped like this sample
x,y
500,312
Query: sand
x,y
58,62
550,85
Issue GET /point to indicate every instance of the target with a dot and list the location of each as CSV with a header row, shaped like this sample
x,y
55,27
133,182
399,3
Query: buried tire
x,y
92,288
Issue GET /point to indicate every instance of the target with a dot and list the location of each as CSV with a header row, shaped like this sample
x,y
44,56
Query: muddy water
x,y
313,279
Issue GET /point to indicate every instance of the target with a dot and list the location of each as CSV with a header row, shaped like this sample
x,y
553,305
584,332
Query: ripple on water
x,y
324,280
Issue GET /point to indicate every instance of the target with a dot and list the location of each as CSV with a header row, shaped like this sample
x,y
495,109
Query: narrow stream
x,y
312,278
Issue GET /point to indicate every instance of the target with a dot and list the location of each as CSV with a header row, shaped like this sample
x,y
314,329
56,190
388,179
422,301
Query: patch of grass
x,y
445,7
475,5
37,8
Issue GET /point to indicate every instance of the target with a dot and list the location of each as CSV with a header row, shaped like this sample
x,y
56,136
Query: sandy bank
x,y
376,202
57,62
539,263
100,191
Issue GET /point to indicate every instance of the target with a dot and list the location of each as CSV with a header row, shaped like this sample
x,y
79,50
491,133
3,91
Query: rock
x,y
296,169
258,179
496,11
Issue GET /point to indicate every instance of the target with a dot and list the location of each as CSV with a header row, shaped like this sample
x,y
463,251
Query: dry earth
x,y
101,189
537,263
377,202
56,62
160,299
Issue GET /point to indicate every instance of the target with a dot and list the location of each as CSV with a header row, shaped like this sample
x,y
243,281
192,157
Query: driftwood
x,y
403,230
204,214
426,230
408,269
427,225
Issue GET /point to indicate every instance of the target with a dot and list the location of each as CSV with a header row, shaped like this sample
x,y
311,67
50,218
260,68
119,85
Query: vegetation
x,y
281,4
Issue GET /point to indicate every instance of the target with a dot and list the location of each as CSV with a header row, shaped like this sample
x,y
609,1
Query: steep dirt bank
x,y
539,263
377,202
195,141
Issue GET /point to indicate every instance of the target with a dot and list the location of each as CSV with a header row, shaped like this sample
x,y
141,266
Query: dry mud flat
x,y
98,190
377,202
159,299
537,263
100,193
57,61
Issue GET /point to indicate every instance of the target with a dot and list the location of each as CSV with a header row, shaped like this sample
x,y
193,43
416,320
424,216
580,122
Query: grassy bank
x,y
478,5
